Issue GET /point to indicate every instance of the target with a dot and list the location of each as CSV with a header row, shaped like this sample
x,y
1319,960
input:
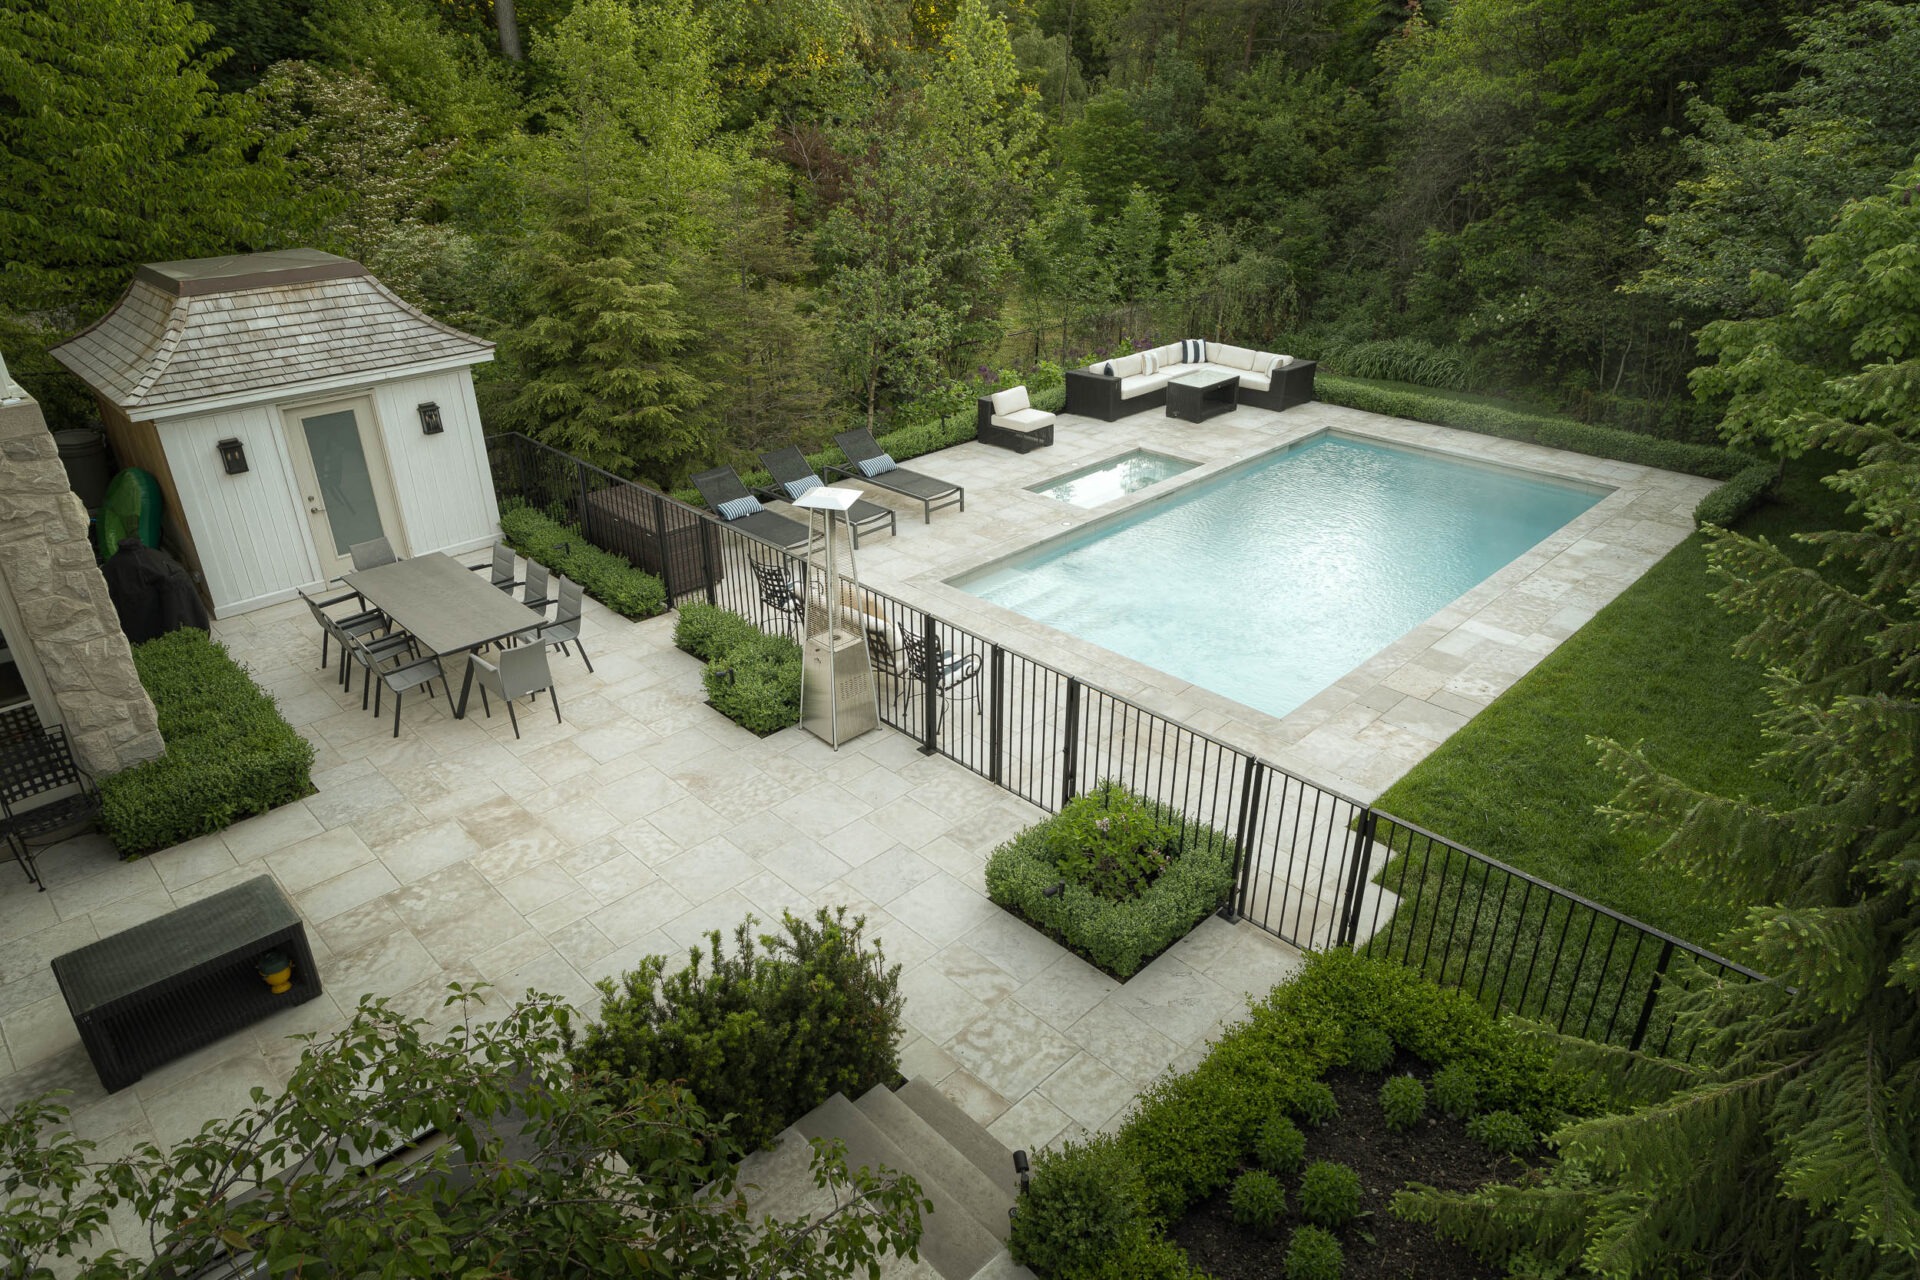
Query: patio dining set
x,y
408,623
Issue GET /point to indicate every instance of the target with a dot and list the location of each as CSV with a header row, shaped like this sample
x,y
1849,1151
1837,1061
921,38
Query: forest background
x,y
697,228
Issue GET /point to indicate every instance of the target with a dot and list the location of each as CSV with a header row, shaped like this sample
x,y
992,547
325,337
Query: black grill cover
x,y
151,592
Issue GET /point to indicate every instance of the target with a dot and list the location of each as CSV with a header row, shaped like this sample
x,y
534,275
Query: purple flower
x,y
985,372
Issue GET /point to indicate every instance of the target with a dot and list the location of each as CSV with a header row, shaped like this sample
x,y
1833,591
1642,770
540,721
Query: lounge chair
x,y
868,461
793,475
727,495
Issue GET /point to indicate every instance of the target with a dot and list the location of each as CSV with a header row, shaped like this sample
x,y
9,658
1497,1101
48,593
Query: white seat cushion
x,y
1141,384
1256,382
1012,400
1023,419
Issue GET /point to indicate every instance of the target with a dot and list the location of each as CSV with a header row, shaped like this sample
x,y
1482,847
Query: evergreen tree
x,y
1790,1145
616,187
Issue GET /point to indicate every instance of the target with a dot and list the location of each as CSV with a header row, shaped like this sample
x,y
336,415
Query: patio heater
x,y
838,698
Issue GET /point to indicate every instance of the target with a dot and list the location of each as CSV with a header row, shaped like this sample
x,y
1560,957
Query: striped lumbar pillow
x,y
734,508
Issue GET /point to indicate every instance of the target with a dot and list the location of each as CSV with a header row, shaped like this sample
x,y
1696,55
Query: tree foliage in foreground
x,y
609,1177
1789,1145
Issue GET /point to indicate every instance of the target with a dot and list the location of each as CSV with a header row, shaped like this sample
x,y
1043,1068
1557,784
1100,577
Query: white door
x,y
342,469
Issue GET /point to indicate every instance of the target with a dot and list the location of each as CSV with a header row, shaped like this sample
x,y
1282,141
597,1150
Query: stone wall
x,y
69,621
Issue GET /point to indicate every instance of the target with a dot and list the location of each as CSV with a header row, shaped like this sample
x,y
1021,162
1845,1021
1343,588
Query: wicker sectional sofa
x,y
1112,389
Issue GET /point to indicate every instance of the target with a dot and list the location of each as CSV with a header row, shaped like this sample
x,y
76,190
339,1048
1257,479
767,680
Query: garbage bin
x,y
83,451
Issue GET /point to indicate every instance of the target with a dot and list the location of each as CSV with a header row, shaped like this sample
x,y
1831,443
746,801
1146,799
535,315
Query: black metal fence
x,y
1313,867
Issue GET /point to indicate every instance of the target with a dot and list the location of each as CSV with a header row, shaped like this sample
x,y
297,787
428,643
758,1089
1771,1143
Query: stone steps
x,y
961,1168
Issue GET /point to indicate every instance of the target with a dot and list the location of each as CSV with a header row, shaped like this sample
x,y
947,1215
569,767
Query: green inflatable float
x,y
132,510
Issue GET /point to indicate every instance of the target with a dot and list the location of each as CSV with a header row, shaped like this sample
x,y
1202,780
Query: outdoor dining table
x,y
446,607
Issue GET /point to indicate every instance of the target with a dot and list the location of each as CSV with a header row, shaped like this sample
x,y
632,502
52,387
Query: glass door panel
x,y
346,484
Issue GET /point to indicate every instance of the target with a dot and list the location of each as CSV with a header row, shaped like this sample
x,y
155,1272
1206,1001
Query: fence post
x,y
996,673
1070,750
707,567
1362,853
661,542
930,636
580,482
520,466
1253,781
1653,994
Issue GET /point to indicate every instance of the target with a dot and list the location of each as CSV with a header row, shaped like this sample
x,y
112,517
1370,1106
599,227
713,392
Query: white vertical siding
x,y
251,529
443,484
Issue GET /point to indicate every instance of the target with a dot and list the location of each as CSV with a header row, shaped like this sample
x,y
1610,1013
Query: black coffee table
x,y
1195,397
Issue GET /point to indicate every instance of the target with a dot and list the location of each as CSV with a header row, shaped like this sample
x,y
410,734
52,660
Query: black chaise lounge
x,y
793,475
931,494
723,489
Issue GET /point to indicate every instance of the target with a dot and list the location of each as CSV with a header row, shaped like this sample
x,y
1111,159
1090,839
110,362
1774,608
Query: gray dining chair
x,y
370,653
372,553
536,596
402,677
500,567
519,672
565,627
331,625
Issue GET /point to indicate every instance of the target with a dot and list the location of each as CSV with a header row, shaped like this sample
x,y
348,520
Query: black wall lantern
x,y
233,456
430,424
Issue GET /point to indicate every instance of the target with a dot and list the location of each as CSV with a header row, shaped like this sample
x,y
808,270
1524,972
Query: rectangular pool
x,y
1270,582
1115,478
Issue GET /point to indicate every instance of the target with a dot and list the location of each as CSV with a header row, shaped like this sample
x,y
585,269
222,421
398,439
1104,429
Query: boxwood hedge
x,y
607,577
230,753
1025,876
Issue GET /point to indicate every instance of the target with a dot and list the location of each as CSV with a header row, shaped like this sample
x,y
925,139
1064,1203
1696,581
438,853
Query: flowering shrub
x,y
1110,841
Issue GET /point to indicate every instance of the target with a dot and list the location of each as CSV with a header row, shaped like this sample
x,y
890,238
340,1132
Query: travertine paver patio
x,y
457,853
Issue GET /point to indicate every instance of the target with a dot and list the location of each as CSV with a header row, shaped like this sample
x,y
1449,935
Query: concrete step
x,y
981,1148
952,1241
1002,1267
966,1182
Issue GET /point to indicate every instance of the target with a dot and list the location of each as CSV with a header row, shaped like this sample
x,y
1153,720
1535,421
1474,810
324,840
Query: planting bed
x,y
1378,1246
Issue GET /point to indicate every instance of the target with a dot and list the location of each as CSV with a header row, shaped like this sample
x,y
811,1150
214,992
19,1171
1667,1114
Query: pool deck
x,y
457,852
1376,722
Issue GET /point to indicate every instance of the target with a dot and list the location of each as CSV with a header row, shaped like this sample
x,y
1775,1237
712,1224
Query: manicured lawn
x,y
1520,782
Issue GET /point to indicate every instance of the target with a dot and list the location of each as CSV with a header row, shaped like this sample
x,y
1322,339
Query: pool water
x,y
1270,582
1115,478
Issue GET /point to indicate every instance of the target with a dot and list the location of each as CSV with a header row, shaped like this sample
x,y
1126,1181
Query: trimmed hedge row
x,y
752,678
1747,478
1095,1205
230,754
907,442
1035,876
607,577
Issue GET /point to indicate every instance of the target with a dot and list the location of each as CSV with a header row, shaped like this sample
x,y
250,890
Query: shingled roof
x,y
212,331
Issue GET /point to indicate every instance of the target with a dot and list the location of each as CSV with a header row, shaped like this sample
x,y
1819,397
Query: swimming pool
x,y
1271,581
1115,478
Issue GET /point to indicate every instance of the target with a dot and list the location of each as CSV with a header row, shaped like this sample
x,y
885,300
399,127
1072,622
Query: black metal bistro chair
x,y
781,594
33,765
951,674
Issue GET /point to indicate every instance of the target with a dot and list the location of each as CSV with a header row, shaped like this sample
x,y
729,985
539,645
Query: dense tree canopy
x,y
748,222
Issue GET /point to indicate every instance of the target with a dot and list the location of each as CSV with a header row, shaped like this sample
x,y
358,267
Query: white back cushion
x,y
1010,400
1127,366
1231,357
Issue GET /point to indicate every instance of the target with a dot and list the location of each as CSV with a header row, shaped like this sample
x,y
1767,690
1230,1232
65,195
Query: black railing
x,y
1312,867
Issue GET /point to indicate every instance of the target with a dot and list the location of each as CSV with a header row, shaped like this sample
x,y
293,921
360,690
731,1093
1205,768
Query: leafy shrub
x,y
1314,1102
1456,1090
607,577
1313,1254
1369,1048
1400,360
1086,1200
1280,1145
1737,496
1555,433
1330,1193
1502,1132
1111,841
1119,937
230,753
765,1034
756,683
1257,1199
1140,1254
1404,1101
706,630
